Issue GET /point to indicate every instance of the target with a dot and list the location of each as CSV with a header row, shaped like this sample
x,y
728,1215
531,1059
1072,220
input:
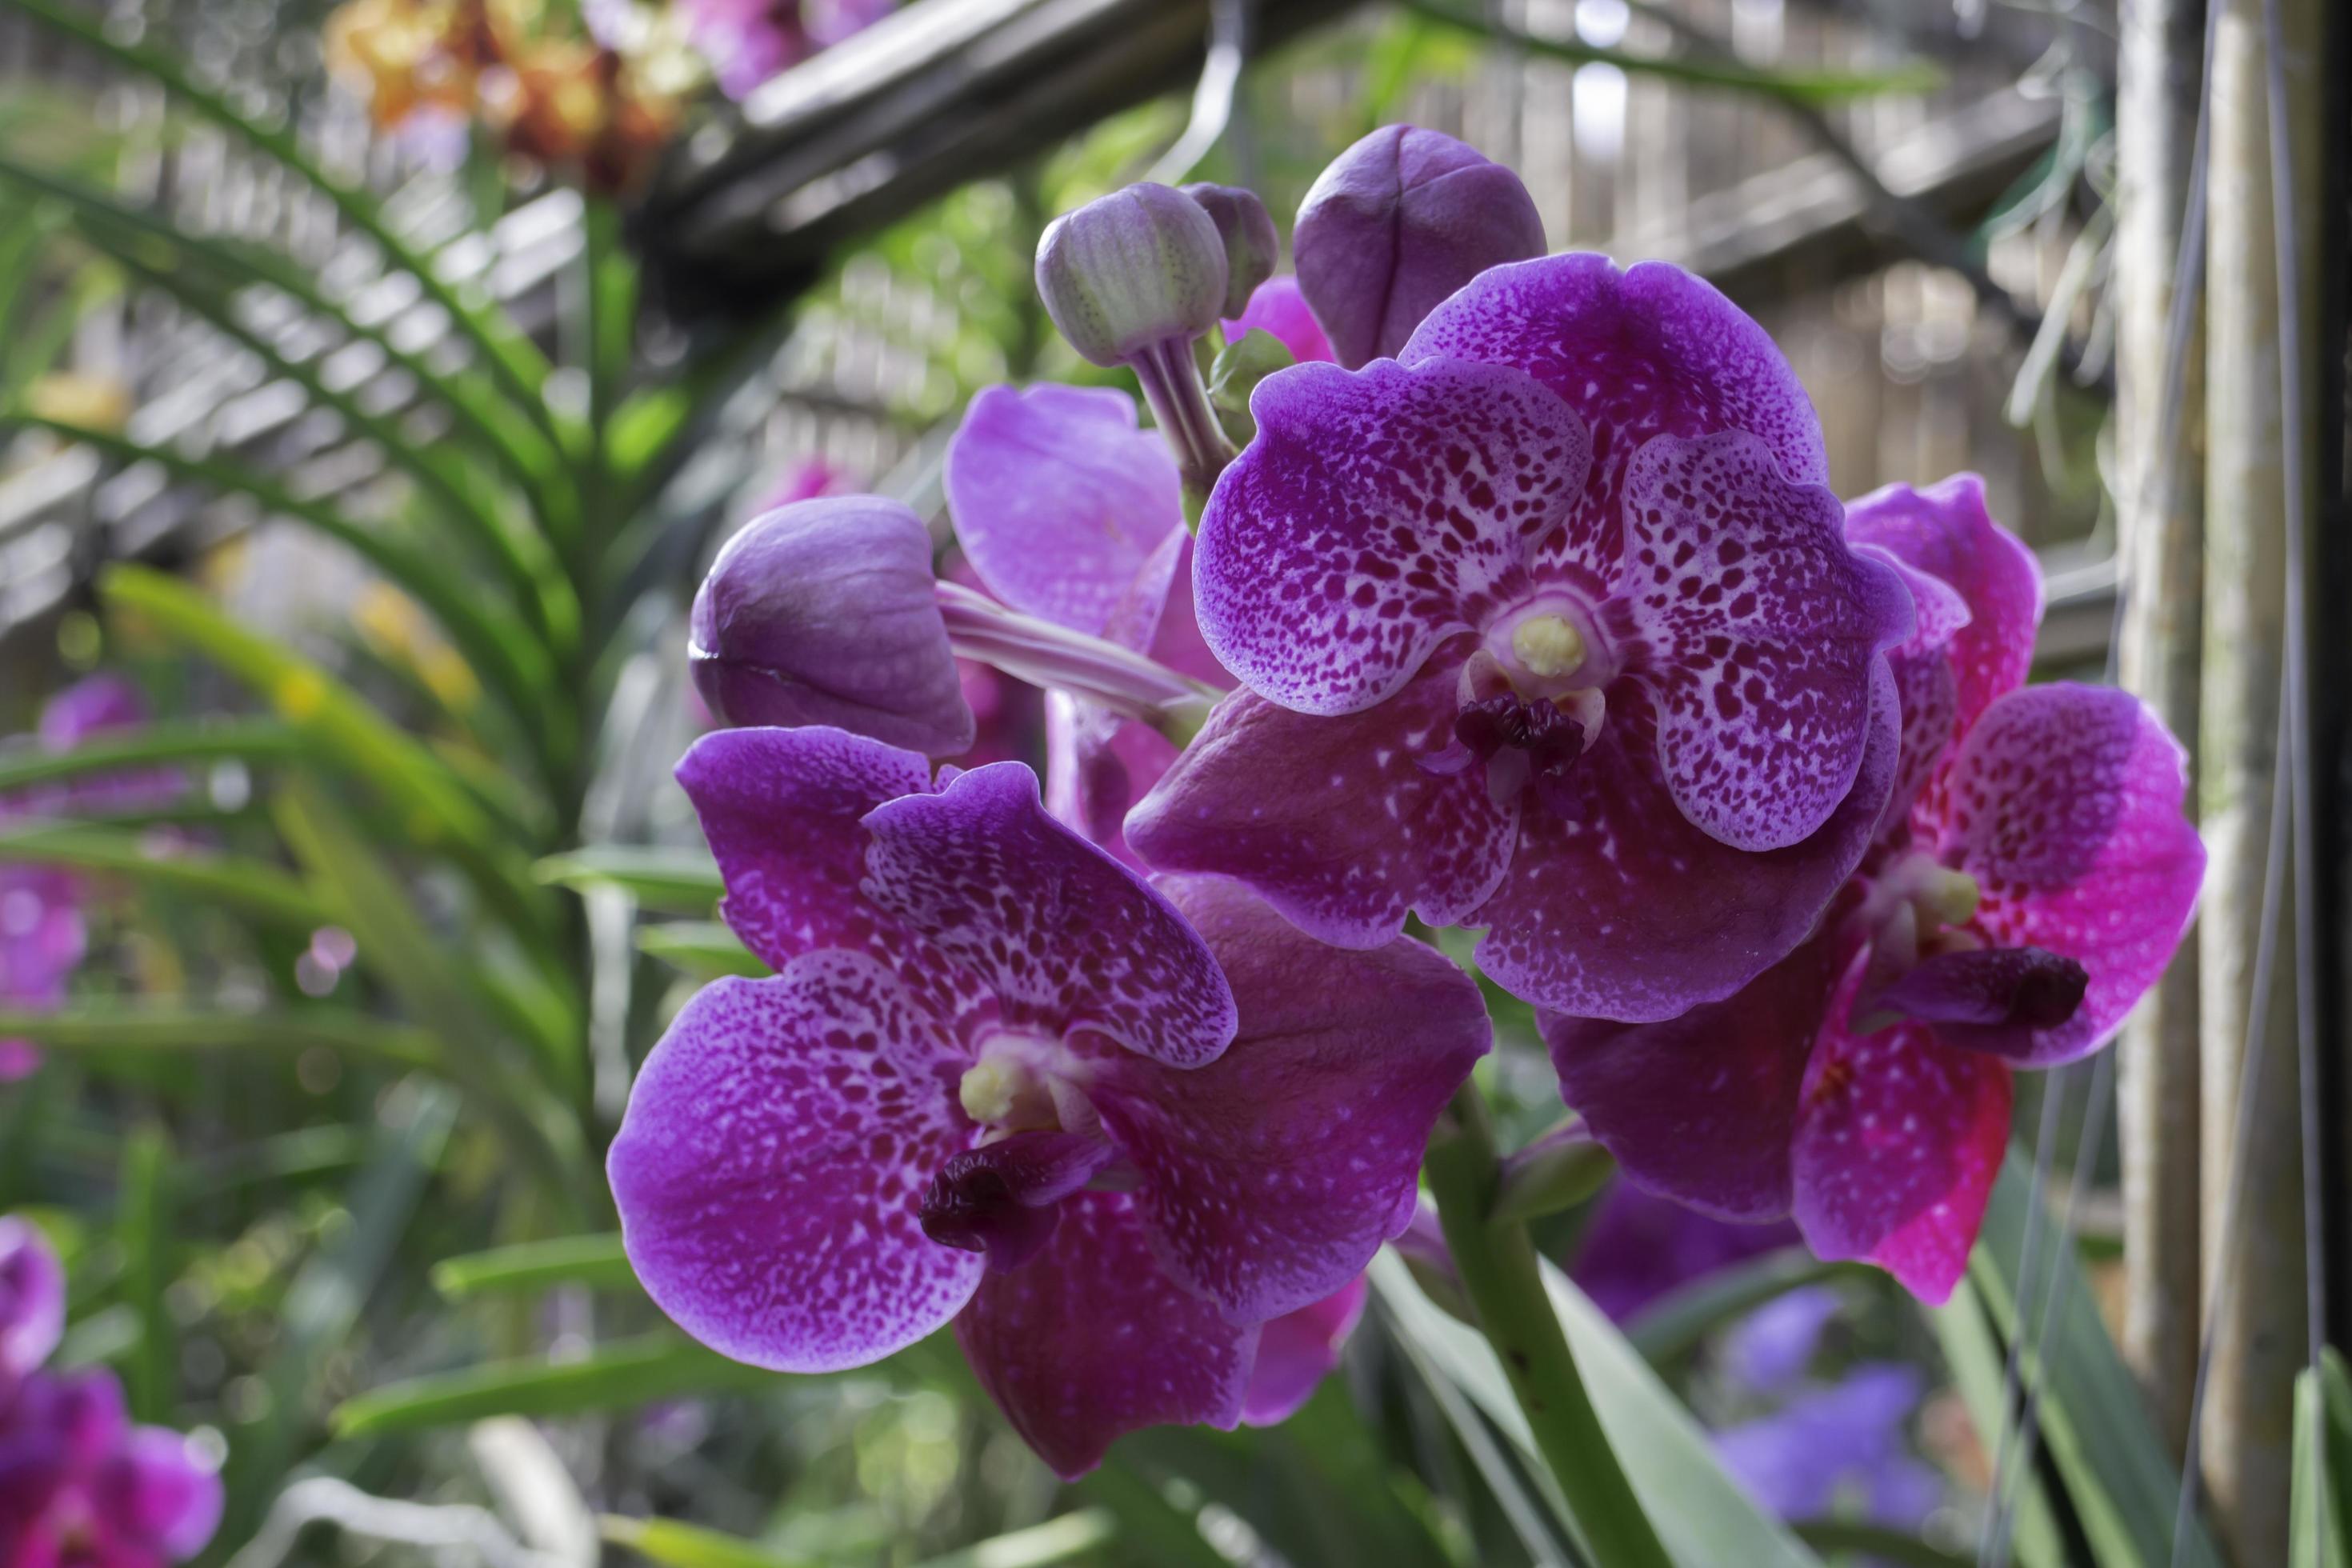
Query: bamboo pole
x,y
2257,1331
2160,450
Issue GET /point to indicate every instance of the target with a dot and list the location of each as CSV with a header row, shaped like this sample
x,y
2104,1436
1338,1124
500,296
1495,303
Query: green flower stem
x,y
1503,1281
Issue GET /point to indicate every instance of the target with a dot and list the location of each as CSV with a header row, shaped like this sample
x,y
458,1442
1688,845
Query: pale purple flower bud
x,y
821,613
1397,223
1252,247
1132,270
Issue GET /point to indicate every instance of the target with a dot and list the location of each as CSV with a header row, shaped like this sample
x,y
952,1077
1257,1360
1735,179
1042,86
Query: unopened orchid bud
x,y
822,613
1252,247
1398,222
1132,270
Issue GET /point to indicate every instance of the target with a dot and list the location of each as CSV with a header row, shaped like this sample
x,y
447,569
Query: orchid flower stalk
x,y
1056,657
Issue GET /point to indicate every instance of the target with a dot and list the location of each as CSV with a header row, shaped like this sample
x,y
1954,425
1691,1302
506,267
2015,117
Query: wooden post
x,y
2259,1334
2160,449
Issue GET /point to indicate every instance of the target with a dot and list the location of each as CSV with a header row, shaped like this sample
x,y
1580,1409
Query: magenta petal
x,y
32,1300
768,1169
156,1490
1617,907
2064,804
1764,630
1377,514
1065,936
1059,498
1272,1175
1097,764
1646,352
1002,1198
1896,1149
1297,1350
1703,1107
1092,1340
1276,306
1945,531
781,809
1333,821
90,706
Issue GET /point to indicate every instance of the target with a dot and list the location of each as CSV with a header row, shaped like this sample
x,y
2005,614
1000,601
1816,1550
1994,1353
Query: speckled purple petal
x,y
1297,1350
1925,687
1092,1340
1334,821
1058,497
1647,352
1897,1144
1945,531
1272,1175
2064,804
1097,765
1378,512
157,1491
781,809
1763,632
32,1300
1065,936
768,1169
1702,1108
1622,909
1276,306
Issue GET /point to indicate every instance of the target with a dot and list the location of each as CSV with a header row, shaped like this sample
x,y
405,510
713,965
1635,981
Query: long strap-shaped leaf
x,y
253,887
163,743
513,667
520,557
510,354
436,813
168,1027
531,462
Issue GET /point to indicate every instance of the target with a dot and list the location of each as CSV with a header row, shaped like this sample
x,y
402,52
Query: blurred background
x,y
376,381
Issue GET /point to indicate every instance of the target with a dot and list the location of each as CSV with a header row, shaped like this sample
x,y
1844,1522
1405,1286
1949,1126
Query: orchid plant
x,y
1473,587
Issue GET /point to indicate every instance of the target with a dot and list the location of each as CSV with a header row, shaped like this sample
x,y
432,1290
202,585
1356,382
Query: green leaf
x,y
253,887
143,1228
2322,1500
436,987
436,810
1876,1543
595,1260
673,881
1154,1530
1973,1352
2124,1488
510,663
506,351
621,1375
1039,1545
521,556
157,1026
1673,1326
163,743
1704,1518
491,426
707,949
1816,89
676,1545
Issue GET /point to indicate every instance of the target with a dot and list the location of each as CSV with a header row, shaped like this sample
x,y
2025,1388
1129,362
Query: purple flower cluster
x,y
1542,622
80,1484
749,41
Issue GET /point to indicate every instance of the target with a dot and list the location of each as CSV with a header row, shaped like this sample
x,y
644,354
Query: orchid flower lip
x,y
1022,1080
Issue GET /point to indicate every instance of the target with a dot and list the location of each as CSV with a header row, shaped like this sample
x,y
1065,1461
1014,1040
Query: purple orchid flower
x,y
1297,1350
1277,306
1844,1440
42,937
1107,1129
1641,1247
32,1302
1067,509
2036,887
79,1485
748,42
1549,628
